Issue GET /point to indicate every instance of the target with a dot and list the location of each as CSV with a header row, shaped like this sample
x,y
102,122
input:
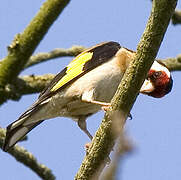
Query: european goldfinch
x,y
88,83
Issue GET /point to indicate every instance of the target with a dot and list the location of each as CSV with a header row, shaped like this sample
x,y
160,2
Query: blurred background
x,y
155,130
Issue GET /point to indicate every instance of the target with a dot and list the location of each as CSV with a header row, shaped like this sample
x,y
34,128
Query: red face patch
x,y
161,82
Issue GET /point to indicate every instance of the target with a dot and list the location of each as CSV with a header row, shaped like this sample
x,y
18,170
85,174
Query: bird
x,y
84,87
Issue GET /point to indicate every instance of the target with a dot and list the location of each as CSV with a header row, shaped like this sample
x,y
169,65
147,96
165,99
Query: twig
x,y
176,18
27,85
25,157
25,43
173,64
56,53
127,92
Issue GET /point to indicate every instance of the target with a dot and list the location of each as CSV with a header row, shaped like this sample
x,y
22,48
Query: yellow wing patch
x,y
73,69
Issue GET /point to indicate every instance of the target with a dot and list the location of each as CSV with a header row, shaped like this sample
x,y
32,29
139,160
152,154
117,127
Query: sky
x,y
155,130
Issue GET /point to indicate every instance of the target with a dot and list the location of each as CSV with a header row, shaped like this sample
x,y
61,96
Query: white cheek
x,y
158,67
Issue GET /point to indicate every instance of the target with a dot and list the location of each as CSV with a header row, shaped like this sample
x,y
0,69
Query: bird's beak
x,y
147,87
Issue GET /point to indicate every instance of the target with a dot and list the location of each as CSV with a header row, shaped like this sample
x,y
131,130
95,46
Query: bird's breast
x,y
103,80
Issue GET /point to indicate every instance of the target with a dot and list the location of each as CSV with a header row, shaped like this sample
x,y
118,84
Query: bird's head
x,y
158,82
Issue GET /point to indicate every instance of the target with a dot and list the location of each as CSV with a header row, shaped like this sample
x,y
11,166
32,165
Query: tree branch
x,y
173,64
25,43
25,157
128,90
176,18
26,85
56,53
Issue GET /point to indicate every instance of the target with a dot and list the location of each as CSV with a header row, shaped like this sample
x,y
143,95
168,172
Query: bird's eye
x,y
157,74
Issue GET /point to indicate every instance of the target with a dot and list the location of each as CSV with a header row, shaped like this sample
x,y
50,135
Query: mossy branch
x,y
25,43
173,64
176,17
26,85
128,90
25,157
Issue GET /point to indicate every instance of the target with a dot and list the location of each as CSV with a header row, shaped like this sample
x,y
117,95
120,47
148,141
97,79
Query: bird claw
x,y
87,146
130,116
106,107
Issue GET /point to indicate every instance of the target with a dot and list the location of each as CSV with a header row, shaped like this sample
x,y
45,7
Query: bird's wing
x,y
84,62
81,64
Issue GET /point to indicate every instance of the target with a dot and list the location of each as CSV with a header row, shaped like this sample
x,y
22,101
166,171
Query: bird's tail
x,y
16,131
31,118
